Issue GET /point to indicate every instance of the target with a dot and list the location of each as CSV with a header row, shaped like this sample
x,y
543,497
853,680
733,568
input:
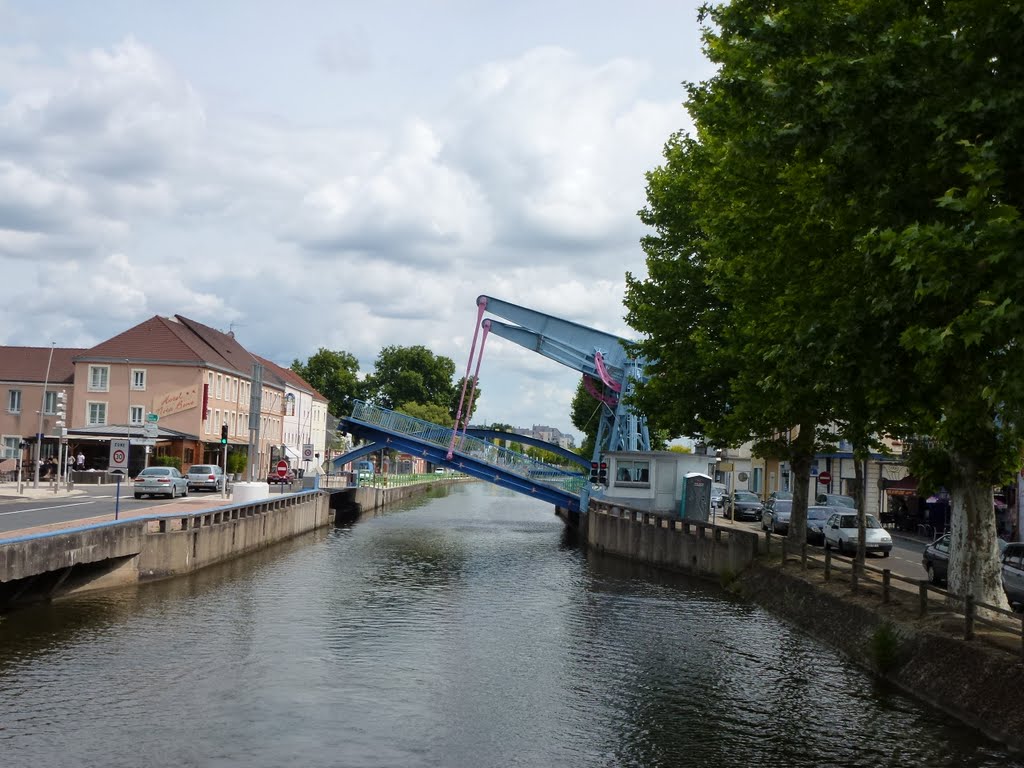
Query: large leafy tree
x,y
335,375
411,375
789,250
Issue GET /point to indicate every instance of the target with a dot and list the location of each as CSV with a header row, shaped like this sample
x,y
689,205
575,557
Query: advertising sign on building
x,y
174,402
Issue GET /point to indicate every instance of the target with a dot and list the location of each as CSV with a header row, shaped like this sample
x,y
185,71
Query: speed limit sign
x,y
118,456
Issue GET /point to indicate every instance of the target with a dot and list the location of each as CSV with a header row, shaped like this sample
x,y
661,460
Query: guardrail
x,y
963,605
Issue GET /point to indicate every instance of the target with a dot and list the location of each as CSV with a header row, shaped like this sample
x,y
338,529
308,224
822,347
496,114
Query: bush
x,y
167,461
883,648
237,462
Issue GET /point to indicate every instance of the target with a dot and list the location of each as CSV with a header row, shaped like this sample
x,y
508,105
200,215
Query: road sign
x,y
282,468
143,441
824,478
307,452
150,429
152,418
118,456
814,470
726,466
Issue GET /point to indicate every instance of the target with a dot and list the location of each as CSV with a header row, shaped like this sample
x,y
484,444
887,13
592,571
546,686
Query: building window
x,y
209,384
136,413
49,402
220,386
216,420
289,404
14,400
234,390
97,412
99,378
138,378
190,455
12,446
633,473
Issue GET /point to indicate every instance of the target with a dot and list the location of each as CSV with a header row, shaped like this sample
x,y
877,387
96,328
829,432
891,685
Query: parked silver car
x,y
160,481
205,476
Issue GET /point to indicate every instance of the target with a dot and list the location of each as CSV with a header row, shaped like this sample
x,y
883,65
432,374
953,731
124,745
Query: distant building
x,y
548,435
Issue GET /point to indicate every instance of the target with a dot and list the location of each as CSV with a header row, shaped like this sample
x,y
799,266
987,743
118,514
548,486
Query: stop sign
x,y
282,468
824,478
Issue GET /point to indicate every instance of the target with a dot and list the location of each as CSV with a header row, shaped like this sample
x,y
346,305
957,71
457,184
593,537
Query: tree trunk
x,y
974,565
802,453
860,497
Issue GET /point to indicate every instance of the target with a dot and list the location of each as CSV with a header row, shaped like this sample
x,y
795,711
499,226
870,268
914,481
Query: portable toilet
x,y
695,498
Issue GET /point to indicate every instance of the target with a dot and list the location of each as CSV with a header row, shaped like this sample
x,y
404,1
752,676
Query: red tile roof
x,y
162,339
29,364
287,375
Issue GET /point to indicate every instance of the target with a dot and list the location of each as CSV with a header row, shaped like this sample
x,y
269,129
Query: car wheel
x,y
932,578
174,491
138,495
885,553
185,492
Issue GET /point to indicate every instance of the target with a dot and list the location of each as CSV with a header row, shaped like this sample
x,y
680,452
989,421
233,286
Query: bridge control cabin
x,y
651,480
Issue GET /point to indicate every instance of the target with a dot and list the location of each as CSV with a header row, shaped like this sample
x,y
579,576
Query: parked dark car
x,y
746,505
816,519
776,517
935,559
1013,573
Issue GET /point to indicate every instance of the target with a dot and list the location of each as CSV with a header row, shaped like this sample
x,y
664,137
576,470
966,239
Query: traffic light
x,y
593,472
224,434
602,473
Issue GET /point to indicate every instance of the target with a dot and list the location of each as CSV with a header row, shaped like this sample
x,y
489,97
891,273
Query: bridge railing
x,y
506,459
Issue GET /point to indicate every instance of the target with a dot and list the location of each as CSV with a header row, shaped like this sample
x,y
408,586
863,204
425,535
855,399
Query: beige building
x,y
169,385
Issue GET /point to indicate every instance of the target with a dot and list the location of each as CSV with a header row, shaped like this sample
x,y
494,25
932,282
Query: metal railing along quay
x,y
930,598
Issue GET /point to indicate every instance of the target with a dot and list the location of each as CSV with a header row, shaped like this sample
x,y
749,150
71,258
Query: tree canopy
x,y
837,248
335,375
411,375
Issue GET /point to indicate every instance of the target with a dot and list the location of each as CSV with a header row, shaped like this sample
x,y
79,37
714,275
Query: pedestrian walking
x,y
80,460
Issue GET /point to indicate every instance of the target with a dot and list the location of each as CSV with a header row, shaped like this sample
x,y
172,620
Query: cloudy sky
x,y
334,174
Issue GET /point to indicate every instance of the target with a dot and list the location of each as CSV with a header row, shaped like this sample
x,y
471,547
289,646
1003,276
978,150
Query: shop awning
x,y
291,453
905,487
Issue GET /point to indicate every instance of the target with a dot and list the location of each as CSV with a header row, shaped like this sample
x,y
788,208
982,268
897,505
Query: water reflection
x,y
466,629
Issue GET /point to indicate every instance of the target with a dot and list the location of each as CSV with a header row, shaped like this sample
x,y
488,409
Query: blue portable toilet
x,y
695,497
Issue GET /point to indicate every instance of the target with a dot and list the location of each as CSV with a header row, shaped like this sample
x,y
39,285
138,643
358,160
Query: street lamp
x,y
42,407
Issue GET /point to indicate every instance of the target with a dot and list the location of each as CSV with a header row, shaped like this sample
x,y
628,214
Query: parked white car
x,y
841,533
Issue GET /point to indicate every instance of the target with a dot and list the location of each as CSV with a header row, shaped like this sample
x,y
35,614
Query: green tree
x,y
811,278
471,389
432,412
410,375
335,375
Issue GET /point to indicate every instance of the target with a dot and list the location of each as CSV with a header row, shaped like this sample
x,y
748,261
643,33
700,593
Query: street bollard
x,y
885,585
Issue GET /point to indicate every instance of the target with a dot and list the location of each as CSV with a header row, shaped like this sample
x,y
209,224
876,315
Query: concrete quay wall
x,y
188,543
671,543
116,553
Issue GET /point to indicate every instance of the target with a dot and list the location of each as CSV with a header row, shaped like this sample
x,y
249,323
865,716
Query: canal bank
x,y
977,682
64,559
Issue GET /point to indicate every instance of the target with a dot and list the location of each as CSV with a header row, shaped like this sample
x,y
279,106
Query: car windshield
x,y
818,513
744,496
850,521
841,501
154,471
783,506
786,495
201,469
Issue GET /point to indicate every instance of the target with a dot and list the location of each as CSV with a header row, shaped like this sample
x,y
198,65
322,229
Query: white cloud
x,y
127,191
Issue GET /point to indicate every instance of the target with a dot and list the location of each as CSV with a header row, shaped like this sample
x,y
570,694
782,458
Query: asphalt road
x,y
904,560
21,513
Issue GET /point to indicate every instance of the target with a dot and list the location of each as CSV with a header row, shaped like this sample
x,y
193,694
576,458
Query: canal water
x,y
465,629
